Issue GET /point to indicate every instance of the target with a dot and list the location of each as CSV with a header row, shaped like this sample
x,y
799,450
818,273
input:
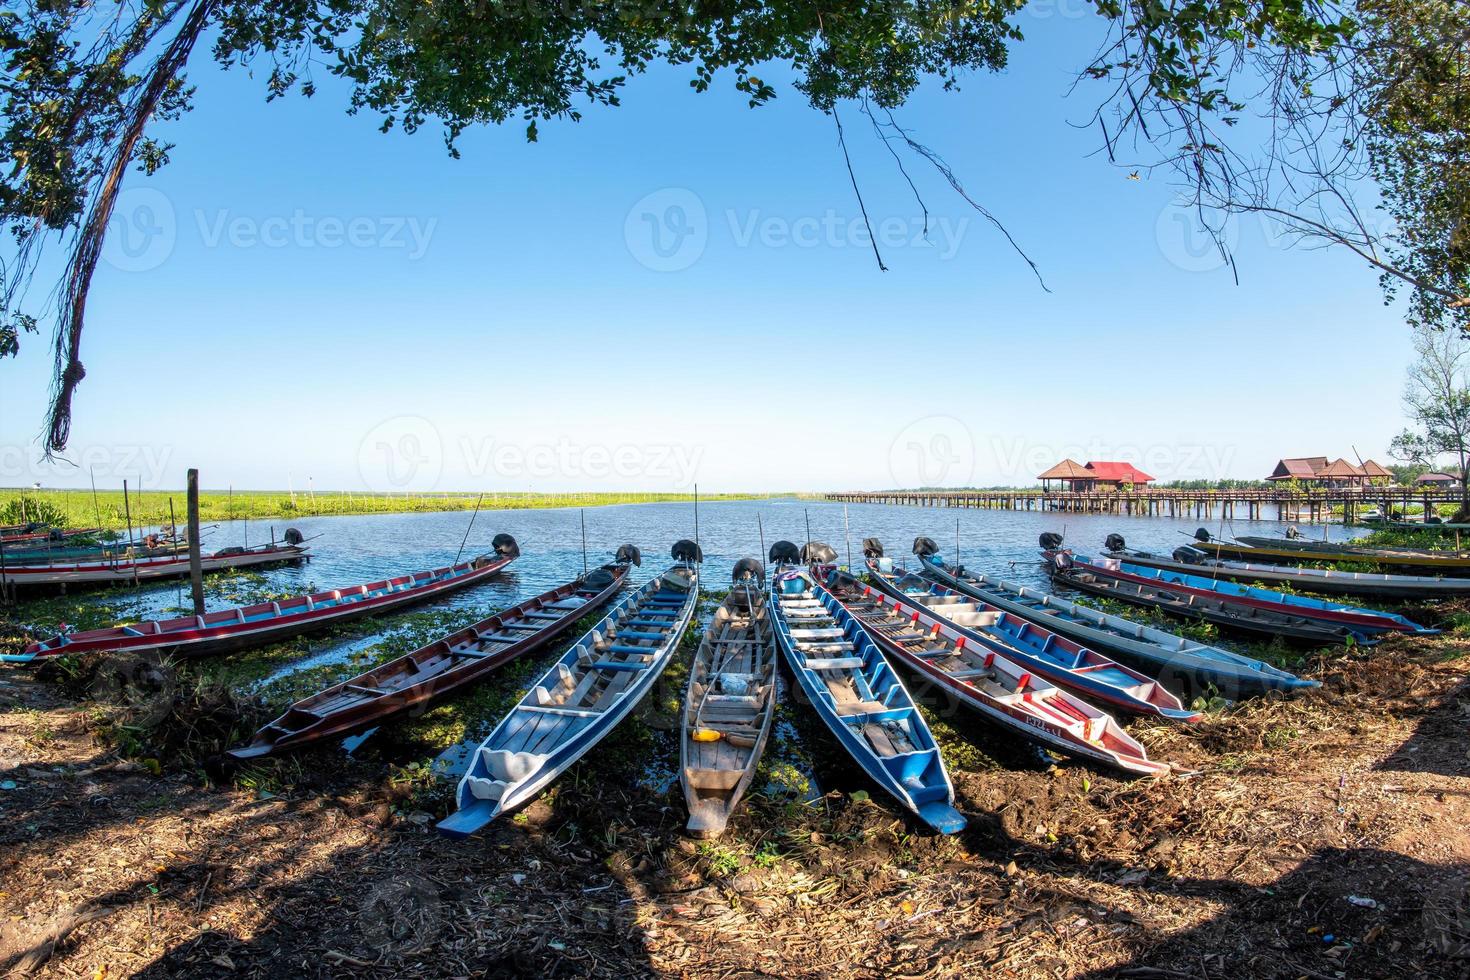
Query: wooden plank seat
x,y
640,635
549,709
627,648
835,663
544,615
619,665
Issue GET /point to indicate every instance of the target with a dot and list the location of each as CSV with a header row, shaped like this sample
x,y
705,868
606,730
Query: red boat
x,y
449,663
125,570
270,622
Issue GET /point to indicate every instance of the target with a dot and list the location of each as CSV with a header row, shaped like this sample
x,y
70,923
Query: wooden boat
x,y
458,660
1226,603
1194,669
26,540
1287,551
121,551
1064,662
271,622
858,696
582,698
730,704
121,570
987,681
1326,581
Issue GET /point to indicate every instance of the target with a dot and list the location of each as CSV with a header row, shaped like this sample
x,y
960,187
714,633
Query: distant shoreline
x,y
78,508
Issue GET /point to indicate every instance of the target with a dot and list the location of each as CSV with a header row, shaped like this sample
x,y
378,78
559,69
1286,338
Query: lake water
x,y
349,550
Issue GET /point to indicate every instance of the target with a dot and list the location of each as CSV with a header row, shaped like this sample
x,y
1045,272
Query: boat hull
x,y
1193,669
1403,588
228,630
716,773
486,792
147,570
1287,553
356,714
921,784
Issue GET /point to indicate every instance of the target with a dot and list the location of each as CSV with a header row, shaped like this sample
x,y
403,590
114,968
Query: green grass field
x,y
79,508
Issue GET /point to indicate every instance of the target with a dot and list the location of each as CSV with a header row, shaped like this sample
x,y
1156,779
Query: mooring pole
x,y
196,569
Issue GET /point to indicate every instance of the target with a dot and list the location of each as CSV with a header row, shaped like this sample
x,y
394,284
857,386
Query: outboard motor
x,y
784,553
629,554
1293,532
1115,542
686,550
748,569
295,537
1202,534
1190,556
1062,559
598,579
872,548
924,547
504,545
1050,541
817,553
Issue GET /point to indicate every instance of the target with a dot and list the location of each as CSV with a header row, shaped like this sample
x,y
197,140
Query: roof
x,y
1121,472
1373,469
1437,478
1067,469
1340,469
1299,468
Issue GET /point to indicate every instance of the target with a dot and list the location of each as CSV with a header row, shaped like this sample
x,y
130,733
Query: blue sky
x,y
298,298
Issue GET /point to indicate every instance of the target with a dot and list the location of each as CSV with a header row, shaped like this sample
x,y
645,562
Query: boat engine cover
x,y
784,552
817,552
872,548
686,550
629,554
505,546
748,568
1115,542
924,547
1050,541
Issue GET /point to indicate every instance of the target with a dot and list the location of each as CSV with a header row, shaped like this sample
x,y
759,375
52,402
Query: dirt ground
x,y
1321,835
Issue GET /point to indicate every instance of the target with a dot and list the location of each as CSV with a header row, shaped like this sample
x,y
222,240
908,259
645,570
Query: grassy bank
x,y
76,508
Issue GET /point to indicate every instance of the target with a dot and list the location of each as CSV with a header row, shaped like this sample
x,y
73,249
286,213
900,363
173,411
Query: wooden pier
x,y
1263,504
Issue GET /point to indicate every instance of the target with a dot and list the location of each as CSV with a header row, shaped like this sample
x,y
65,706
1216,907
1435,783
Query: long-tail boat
x,y
120,570
1326,581
1064,662
990,683
581,699
270,622
1192,668
1290,551
449,663
730,704
844,677
1241,606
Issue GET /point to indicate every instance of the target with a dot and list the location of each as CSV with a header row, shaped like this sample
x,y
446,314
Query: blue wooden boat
x,y
1244,600
857,694
1187,666
582,698
1325,581
1064,662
